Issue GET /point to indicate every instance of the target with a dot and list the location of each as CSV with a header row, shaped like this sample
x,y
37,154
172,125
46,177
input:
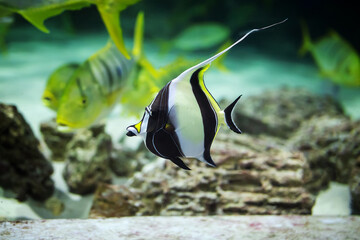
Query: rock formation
x,y
331,145
280,112
55,140
252,177
355,187
23,168
294,144
87,160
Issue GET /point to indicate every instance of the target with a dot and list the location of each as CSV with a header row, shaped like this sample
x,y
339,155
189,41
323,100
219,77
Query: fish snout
x,y
63,127
131,131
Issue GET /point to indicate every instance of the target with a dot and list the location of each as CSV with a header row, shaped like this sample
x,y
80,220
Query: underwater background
x,y
267,60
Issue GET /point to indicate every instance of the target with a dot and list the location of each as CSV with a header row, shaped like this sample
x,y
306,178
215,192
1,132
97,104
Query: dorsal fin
x,y
211,59
138,35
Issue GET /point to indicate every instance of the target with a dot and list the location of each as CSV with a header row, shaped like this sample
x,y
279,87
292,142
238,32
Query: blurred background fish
x,y
97,84
37,11
200,36
56,84
336,59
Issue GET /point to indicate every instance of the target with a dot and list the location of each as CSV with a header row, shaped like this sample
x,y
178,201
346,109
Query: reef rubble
x,y
257,172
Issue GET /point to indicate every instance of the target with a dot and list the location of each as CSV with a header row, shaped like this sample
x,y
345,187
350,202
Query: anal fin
x,y
179,163
207,159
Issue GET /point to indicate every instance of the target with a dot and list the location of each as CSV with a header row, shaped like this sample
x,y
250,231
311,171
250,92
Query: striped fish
x,y
110,68
336,59
56,84
184,118
97,84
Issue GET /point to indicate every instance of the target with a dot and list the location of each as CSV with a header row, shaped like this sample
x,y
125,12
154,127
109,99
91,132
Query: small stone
x,y
113,201
55,140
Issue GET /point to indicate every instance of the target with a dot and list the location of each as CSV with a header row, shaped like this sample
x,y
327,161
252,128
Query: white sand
x,y
28,63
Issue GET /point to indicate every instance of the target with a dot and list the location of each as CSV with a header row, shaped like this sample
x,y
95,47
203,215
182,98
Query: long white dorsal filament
x,y
209,60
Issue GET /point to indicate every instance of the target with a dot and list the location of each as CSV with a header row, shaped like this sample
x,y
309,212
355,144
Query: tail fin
x,y
306,45
228,116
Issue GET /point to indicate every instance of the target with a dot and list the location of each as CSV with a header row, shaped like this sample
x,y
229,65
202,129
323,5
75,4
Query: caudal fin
x,y
228,116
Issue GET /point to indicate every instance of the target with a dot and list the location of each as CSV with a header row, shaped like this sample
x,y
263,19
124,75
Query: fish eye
x,y
83,101
130,134
47,98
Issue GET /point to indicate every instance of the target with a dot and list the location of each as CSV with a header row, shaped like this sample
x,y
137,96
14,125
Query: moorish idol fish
x,y
184,118
96,86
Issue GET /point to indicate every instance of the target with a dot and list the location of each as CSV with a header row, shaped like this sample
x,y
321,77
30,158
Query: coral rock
x,y
280,112
87,160
274,183
55,140
113,201
355,187
23,168
331,145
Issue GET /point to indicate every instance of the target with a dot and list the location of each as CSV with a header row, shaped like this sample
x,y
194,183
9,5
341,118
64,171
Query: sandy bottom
x,y
30,60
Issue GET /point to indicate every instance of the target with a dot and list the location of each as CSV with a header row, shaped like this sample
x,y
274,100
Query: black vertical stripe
x,y
119,71
108,73
162,142
208,114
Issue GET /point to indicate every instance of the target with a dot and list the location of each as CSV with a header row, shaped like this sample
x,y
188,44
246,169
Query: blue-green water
x,y
29,61
33,56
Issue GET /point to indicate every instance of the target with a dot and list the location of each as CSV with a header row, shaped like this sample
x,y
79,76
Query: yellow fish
x,y
37,11
56,84
97,85
335,57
